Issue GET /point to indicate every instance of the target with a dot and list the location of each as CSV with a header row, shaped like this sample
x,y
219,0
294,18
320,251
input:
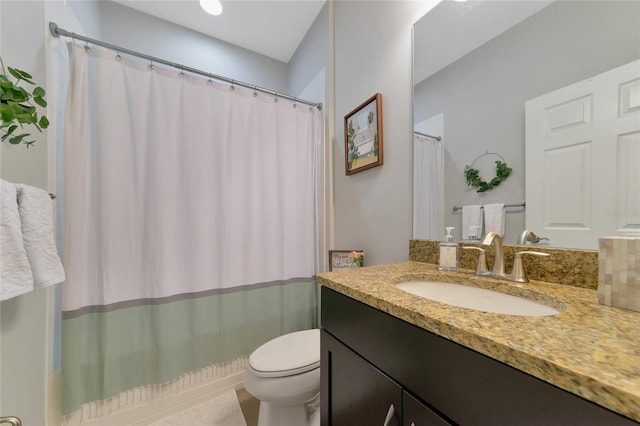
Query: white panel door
x,y
582,159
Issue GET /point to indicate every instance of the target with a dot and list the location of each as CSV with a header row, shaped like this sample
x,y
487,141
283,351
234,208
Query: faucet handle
x,y
482,268
519,274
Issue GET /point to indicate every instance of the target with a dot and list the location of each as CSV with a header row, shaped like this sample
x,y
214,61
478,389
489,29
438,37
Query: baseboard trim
x,y
153,409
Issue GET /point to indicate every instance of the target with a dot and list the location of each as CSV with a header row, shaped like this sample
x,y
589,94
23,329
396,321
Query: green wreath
x,y
473,177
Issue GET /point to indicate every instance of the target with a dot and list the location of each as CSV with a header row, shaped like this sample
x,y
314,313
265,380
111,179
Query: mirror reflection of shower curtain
x,y
428,188
190,235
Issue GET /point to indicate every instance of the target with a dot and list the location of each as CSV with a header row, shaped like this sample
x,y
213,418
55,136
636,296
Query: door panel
x,y
628,197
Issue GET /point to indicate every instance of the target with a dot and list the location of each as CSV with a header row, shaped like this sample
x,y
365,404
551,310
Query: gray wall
x,y
312,55
138,31
482,95
373,54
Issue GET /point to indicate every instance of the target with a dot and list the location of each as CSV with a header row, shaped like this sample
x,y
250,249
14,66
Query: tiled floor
x,y
249,406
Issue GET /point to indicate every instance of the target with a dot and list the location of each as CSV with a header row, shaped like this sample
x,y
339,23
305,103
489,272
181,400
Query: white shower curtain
x,y
190,209
428,188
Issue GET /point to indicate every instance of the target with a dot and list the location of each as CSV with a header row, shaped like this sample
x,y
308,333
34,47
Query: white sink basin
x,y
476,298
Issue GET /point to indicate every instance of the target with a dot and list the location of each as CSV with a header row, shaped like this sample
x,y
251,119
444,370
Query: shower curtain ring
x,y
118,57
86,46
150,67
255,91
181,75
210,81
232,88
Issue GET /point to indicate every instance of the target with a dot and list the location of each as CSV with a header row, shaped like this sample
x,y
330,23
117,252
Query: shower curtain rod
x,y
438,138
56,31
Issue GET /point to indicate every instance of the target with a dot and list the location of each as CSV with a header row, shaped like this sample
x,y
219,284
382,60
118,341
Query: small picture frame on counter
x,y
345,259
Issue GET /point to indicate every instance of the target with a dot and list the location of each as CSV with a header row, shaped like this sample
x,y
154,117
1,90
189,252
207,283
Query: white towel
x,y
471,216
494,216
36,214
15,272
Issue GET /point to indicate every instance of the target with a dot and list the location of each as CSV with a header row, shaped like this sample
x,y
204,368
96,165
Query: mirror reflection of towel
x,y
471,216
494,218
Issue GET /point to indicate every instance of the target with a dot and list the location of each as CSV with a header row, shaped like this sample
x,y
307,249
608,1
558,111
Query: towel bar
x,y
456,208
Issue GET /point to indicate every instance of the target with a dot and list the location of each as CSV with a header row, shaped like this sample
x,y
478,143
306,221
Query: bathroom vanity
x,y
393,358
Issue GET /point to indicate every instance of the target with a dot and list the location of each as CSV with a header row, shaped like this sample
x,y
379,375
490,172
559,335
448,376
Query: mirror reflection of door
x,y
583,159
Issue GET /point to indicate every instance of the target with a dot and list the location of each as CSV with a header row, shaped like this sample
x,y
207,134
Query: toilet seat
x,y
287,355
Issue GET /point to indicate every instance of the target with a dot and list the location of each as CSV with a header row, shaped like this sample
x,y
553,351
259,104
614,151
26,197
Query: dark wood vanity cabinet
x,y
360,393
371,360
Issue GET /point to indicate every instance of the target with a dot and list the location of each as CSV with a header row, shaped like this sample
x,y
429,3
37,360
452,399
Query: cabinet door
x,y
353,391
415,413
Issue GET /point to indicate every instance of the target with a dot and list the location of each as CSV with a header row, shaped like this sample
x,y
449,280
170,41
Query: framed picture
x,y
363,136
345,259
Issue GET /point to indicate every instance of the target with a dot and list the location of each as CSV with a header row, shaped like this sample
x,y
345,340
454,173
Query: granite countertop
x,y
588,349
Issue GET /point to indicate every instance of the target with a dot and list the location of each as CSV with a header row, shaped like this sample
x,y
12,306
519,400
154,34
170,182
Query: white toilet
x,y
284,374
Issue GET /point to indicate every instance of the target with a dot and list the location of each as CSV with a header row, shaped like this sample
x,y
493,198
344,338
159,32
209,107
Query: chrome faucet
x,y
527,235
518,274
493,239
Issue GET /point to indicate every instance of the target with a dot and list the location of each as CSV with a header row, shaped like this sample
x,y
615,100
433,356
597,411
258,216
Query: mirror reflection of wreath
x,y
473,175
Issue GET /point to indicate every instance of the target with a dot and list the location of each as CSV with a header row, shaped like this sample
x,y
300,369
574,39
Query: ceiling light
x,y
212,7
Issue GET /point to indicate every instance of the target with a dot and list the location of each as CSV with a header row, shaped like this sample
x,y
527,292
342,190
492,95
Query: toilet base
x,y
282,415
290,415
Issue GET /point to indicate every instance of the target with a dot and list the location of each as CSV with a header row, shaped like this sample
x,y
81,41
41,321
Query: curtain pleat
x,y
190,219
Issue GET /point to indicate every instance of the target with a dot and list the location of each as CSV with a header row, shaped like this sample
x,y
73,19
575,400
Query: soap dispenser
x,y
448,260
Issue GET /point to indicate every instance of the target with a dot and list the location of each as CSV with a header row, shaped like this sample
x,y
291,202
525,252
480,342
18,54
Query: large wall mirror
x,y
476,64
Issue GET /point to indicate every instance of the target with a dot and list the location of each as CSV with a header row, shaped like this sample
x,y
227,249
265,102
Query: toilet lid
x,y
292,353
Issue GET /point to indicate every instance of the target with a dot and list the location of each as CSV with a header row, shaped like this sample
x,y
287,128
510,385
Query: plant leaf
x,y
7,113
38,92
44,122
24,74
14,72
21,75
40,101
18,139
9,131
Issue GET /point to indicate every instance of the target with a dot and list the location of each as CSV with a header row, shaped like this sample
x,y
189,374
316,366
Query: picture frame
x,y
363,136
341,259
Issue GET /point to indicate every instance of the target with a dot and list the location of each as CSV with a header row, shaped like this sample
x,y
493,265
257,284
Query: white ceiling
x,y
273,28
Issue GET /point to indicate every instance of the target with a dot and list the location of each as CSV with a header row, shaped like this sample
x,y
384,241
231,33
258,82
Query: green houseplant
x,y
18,106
